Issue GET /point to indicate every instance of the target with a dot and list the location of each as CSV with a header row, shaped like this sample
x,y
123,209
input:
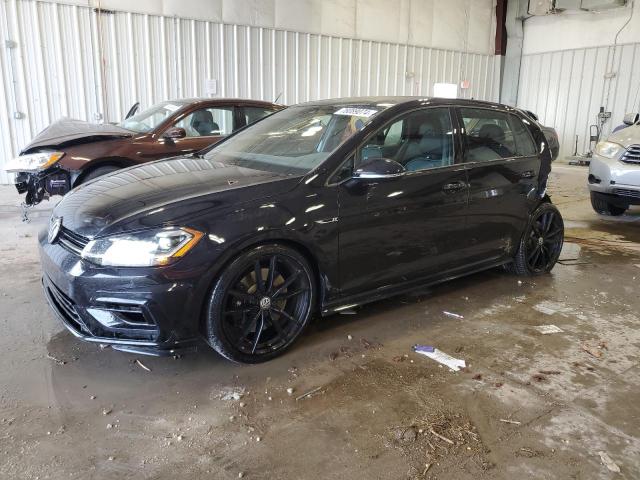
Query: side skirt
x,y
346,303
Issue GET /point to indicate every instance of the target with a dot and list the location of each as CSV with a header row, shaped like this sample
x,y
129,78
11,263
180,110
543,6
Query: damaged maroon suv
x,y
71,152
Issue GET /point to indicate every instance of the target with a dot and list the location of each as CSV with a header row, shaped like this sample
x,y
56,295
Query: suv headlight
x,y
148,248
609,149
33,162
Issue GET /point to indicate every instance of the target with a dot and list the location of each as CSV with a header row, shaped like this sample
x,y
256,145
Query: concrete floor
x,y
527,406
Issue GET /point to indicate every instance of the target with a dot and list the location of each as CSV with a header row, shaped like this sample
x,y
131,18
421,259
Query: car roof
x,y
399,100
226,101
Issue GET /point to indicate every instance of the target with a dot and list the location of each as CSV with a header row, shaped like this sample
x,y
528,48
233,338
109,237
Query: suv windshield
x,y
295,140
149,119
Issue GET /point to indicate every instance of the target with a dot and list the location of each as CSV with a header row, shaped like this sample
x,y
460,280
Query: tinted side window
x,y
253,114
488,135
420,140
208,122
524,143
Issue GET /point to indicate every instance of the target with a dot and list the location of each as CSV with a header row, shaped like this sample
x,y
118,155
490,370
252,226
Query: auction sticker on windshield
x,y
356,112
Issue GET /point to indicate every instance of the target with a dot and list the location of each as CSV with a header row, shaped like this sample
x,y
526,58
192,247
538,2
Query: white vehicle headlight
x,y
33,162
609,149
148,248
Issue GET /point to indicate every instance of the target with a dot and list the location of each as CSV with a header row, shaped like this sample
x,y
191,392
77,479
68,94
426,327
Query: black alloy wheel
x,y
541,243
260,304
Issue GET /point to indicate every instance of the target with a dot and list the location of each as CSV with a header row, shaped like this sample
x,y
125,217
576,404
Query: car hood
x,y
67,131
627,136
163,192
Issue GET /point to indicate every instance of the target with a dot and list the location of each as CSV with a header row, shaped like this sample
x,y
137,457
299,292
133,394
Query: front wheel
x,y
541,243
603,207
260,304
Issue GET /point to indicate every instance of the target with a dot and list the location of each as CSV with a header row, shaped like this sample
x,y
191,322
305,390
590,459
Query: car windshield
x,y
294,140
149,119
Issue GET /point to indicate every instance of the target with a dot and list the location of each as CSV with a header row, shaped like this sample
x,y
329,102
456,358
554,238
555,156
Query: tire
x,y
603,207
541,243
250,321
97,172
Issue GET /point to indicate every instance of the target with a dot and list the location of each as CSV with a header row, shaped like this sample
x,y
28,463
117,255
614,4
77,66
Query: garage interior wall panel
x,y
567,88
67,60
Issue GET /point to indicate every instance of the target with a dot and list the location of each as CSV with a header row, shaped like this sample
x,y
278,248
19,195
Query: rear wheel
x,y
541,243
260,304
601,206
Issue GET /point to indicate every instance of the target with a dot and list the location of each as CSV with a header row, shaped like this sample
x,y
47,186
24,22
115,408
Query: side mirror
x,y
631,118
174,133
379,169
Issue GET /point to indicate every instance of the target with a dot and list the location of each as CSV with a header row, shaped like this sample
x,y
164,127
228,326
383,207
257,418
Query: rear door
x,y
251,114
404,228
503,168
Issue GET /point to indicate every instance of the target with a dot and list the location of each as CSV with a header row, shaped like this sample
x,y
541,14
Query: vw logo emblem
x,y
54,228
265,303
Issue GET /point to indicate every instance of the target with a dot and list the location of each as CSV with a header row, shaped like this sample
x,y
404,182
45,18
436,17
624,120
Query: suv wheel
x,y
603,207
260,304
541,243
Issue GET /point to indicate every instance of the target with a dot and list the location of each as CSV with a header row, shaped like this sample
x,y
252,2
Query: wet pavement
x,y
528,405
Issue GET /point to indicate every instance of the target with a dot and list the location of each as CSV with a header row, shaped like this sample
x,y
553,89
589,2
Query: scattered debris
x,y
477,376
610,464
405,435
240,474
588,367
454,315
593,351
539,378
498,384
229,393
106,411
333,356
513,422
289,391
104,346
529,453
59,362
548,329
309,393
349,337
441,437
426,469
142,365
550,372
454,364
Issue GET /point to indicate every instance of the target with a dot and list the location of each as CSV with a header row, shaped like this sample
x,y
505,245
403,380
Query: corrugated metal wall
x,y
52,66
567,88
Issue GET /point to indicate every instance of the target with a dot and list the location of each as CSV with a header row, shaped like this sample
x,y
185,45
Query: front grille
x,y
72,241
625,192
632,155
65,306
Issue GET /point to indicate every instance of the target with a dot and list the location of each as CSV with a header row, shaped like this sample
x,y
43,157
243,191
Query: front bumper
x,y
615,179
147,311
40,185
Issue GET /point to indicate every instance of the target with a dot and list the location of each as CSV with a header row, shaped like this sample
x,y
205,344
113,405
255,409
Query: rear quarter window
x,y
525,147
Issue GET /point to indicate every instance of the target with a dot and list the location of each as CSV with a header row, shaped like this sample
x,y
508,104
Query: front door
x,y
203,127
503,167
411,226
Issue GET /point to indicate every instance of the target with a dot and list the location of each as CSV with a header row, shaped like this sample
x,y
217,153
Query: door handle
x,y
528,174
454,187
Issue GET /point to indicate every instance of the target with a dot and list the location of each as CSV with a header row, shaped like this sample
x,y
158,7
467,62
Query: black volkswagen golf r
x,y
317,208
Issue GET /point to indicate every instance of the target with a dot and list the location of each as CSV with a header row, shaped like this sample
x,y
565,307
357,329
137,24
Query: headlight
x,y
33,162
142,249
609,149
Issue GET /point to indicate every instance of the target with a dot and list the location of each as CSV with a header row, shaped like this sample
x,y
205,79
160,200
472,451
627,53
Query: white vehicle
x,y
614,172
